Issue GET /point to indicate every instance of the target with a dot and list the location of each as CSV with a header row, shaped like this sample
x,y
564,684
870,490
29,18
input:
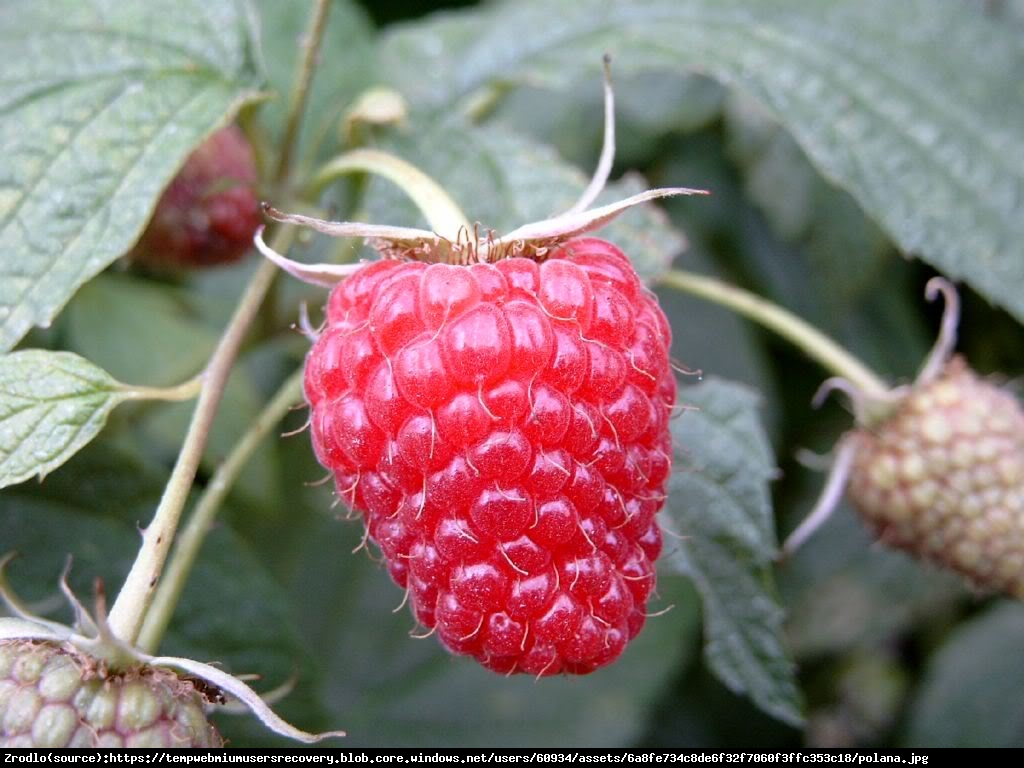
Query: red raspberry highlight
x,y
503,430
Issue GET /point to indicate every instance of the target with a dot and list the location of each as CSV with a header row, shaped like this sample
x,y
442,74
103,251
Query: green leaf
x,y
648,106
971,695
140,331
845,252
504,180
51,404
101,101
719,503
909,106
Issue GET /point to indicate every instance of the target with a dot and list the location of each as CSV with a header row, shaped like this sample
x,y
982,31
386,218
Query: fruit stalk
x,y
813,342
129,609
194,533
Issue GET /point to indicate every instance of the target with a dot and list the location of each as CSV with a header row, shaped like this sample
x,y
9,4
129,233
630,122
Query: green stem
x,y
813,342
191,539
441,212
174,394
129,609
300,89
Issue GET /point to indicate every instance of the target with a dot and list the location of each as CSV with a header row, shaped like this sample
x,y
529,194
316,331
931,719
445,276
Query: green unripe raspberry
x,y
52,695
943,478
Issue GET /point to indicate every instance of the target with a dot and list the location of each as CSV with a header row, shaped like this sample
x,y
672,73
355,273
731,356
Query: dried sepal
x,y
405,237
84,623
20,610
17,628
942,351
533,240
238,690
607,158
831,495
541,236
326,275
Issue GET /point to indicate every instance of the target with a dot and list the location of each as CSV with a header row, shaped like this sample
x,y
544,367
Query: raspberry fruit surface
x,y
209,212
503,430
943,478
51,695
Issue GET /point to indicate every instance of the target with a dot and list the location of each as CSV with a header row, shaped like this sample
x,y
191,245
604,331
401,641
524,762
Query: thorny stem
x,y
813,342
129,609
835,486
300,89
194,533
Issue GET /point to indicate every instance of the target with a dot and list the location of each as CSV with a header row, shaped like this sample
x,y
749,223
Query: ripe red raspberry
x,y
52,695
503,429
943,478
210,210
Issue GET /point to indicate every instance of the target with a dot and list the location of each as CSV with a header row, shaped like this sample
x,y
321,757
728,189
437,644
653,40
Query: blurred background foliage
x,y
887,652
